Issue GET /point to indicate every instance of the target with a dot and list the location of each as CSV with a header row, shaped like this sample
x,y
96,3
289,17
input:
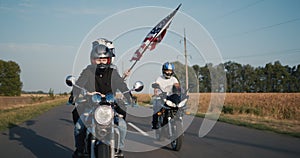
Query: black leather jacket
x,y
105,81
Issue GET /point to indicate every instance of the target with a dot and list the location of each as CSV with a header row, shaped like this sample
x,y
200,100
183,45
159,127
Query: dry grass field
x,y
272,105
275,110
23,100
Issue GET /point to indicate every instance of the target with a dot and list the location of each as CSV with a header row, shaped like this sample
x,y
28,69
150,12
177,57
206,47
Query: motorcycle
x,y
102,137
171,114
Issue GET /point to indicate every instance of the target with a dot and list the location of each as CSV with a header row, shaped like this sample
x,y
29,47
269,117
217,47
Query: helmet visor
x,y
102,60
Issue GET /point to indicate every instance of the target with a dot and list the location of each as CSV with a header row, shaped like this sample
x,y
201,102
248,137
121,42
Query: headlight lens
x,y
96,98
104,115
182,103
110,98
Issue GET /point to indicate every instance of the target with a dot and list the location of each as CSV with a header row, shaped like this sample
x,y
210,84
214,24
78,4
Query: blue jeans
x,y
80,132
123,131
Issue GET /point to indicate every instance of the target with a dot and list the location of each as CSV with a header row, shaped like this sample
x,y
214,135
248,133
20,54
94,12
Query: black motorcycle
x,y
171,116
102,137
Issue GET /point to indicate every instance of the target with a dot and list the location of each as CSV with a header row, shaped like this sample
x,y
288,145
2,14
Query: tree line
x,y
10,82
225,77
273,77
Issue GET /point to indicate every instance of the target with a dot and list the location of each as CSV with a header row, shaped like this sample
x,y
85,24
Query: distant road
x,y
51,136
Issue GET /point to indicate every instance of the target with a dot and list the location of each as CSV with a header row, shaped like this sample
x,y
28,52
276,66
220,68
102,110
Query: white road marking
x,y
138,129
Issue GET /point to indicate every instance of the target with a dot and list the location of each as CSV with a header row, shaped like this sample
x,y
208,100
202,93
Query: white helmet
x,y
108,44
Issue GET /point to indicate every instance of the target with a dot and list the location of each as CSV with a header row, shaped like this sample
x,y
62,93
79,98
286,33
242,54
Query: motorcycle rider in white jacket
x,y
168,83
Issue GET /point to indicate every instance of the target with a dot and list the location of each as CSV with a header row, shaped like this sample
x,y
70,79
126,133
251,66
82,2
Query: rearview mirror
x,y
138,86
70,80
155,85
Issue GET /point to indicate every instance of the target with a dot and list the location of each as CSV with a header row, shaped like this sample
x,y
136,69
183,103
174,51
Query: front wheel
x,y
157,134
103,151
159,130
177,143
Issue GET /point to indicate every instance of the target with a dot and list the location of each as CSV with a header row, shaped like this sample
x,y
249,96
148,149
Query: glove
x,y
134,101
71,100
163,95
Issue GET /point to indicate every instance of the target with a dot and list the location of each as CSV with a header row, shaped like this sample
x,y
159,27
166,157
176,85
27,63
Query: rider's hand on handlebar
x,y
163,95
71,100
132,102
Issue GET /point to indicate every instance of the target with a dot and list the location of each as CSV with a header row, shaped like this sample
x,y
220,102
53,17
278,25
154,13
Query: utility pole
x,y
186,65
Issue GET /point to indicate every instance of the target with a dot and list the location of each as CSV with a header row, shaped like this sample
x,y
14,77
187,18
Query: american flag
x,y
154,36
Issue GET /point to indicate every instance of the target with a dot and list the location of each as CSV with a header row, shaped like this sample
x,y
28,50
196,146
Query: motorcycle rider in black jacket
x,y
100,77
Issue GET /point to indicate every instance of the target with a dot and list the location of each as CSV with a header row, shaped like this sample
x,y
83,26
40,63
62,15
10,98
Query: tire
x,y
158,134
177,143
102,151
159,130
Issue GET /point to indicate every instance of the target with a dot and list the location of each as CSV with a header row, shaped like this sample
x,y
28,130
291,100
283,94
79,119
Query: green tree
x,y
10,83
294,82
281,77
245,78
260,80
248,75
269,74
192,76
205,78
277,77
234,78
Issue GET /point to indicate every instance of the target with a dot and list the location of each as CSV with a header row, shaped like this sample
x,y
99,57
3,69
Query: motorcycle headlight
x,y
110,98
104,115
170,103
96,98
182,103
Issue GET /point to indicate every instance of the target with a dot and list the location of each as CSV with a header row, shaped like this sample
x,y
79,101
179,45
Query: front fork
x,y
115,131
93,140
170,127
112,140
171,133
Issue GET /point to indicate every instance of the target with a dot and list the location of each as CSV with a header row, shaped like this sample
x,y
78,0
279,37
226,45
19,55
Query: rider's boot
x,y
119,153
78,154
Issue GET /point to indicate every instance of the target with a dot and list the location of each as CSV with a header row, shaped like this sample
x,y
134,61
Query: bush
x,y
227,110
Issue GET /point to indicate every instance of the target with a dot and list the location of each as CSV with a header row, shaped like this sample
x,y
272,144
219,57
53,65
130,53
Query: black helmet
x,y
168,66
101,51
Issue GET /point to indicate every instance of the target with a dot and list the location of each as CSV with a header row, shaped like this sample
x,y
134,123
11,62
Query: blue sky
x,y
44,37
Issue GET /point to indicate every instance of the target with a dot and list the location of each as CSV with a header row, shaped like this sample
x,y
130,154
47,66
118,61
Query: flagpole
x,y
145,48
141,56
142,53
186,65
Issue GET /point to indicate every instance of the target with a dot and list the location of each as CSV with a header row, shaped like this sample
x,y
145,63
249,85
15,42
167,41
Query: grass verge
x,y
18,115
260,124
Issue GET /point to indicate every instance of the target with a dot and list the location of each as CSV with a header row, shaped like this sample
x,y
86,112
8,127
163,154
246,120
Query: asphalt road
x,y
51,135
